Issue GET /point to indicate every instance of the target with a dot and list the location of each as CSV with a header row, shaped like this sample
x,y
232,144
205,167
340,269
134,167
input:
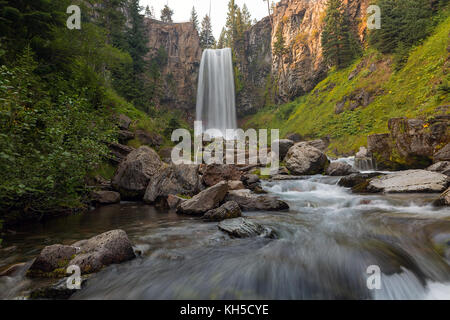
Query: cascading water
x,y
216,106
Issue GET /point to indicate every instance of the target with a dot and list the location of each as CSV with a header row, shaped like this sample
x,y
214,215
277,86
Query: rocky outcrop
x,y
134,173
244,228
339,169
181,179
228,210
301,24
181,43
409,181
304,159
90,255
204,201
411,143
249,201
215,173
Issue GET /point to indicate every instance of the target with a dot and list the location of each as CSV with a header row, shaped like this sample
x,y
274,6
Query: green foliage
x,y
47,145
194,18
417,90
279,47
166,14
207,40
339,44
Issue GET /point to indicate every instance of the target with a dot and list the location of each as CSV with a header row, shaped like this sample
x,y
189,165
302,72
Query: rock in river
x,y
409,181
249,201
444,199
228,210
204,201
304,159
339,169
244,228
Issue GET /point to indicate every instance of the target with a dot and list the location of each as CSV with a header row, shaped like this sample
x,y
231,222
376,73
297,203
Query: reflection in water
x,y
326,242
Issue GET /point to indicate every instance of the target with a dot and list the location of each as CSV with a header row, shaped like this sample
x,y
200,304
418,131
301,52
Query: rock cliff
x,y
182,46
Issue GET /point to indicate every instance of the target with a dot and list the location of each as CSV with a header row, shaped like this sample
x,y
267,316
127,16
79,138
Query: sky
x,y
182,10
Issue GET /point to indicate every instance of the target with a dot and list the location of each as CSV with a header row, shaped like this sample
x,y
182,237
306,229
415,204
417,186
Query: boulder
x,y
134,173
363,153
294,137
124,122
204,201
283,147
90,255
119,152
215,173
105,197
339,169
228,210
444,199
244,228
248,201
443,154
56,291
149,138
357,179
174,179
108,248
235,185
321,144
441,167
304,159
409,181
125,136
174,201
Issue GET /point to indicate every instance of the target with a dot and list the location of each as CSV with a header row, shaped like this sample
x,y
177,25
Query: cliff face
x,y
182,45
301,22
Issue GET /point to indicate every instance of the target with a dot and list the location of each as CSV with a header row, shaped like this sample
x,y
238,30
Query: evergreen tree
x,y
221,41
230,25
338,42
207,40
148,12
246,17
194,18
166,14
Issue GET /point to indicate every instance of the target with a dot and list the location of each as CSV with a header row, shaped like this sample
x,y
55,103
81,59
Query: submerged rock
x,y
90,255
56,291
339,169
304,159
244,228
249,201
409,181
204,201
135,172
228,210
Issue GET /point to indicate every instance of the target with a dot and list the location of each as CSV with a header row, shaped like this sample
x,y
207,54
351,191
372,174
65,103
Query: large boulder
x,y
215,173
105,197
244,228
248,201
108,248
409,181
444,199
321,144
340,169
294,137
357,179
204,201
228,210
304,159
174,179
90,255
443,154
134,173
283,147
174,201
441,167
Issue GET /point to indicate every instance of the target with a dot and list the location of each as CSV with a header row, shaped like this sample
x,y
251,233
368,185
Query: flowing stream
x,y
325,244
216,105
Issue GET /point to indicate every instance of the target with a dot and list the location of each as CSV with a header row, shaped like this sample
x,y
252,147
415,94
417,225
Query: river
x,y
325,244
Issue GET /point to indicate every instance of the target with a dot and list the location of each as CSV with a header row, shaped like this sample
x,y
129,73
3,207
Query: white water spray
x,y
216,106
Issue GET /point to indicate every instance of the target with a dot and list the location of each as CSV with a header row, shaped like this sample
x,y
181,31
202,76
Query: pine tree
x,y
221,41
230,25
279,47
148,12
194,18
166,14
207,40
338,42
246,17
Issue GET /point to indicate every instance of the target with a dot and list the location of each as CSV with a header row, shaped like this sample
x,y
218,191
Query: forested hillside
x,y
61,94
403,71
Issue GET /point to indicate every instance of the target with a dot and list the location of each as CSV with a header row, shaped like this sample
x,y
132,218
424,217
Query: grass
x,y
415,91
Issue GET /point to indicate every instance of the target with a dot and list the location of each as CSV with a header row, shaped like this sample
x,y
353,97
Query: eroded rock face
x,y
134,173
204,201
182,45
249,201
339,169
172,180
304,159
228,210
215,173
409,181
244,228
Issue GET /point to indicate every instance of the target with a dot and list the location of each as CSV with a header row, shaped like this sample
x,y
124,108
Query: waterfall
x,y
216,106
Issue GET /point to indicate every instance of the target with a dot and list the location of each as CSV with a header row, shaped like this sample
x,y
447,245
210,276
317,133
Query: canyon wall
x,y
179,75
